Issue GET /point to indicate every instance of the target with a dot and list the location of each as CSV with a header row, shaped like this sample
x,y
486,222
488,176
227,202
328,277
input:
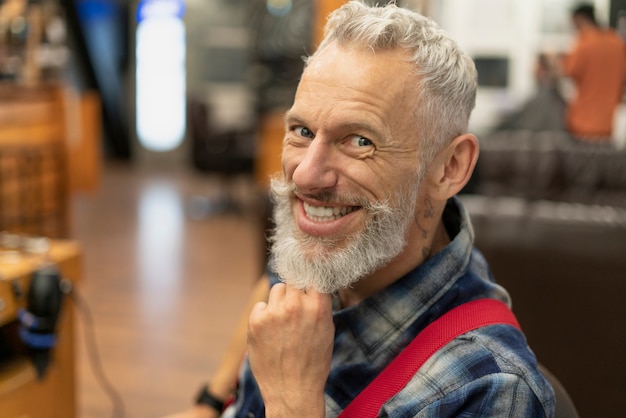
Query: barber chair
x,y
564,406
226,155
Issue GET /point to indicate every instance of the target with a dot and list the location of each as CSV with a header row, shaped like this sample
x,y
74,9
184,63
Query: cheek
x,y
362,180
400,184
386,178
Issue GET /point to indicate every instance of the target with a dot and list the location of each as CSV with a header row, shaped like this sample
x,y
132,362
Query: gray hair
x,y
447,80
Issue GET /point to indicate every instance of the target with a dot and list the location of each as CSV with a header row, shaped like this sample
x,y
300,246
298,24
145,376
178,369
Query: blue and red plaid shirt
x,y
489,372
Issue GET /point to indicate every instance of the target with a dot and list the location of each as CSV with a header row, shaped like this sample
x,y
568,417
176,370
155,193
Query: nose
x,y
315,171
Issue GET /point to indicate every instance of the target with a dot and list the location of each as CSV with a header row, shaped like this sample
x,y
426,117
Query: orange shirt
x,y
598,67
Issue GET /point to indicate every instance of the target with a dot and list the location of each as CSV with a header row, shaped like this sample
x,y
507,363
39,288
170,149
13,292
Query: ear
x,y
454,166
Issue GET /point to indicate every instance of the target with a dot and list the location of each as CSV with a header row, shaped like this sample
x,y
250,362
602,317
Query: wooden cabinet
x,y
49,147
33,168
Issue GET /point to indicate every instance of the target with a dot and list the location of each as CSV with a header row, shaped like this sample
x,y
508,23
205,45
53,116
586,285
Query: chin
x,y
316,248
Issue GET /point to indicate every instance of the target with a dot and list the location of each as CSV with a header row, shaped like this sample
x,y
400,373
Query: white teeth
x,y
326,213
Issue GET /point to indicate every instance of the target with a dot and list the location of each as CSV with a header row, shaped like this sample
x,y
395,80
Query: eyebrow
x,y
291,116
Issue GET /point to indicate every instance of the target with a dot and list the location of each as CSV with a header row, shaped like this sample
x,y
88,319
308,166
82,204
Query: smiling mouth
x,y
327,213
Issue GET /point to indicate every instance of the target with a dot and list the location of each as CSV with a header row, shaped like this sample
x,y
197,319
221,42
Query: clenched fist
x,y
290,345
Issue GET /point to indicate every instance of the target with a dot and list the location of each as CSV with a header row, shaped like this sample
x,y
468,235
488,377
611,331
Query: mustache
x,y
281,190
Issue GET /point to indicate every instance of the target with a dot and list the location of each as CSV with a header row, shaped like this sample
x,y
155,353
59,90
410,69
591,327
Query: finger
x,y
256,315
318,305
291,290
255,320
277,293
317,297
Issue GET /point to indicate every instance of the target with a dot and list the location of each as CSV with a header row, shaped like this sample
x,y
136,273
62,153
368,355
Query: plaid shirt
x,y
489,372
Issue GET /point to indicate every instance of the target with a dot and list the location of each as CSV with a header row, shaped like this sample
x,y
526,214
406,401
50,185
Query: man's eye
x,y
360,141
304,131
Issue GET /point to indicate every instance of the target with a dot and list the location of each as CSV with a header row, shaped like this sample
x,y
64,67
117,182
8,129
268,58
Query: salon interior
x,y
137,140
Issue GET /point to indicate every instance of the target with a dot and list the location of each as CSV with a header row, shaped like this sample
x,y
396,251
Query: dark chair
x,y
564,406
224,154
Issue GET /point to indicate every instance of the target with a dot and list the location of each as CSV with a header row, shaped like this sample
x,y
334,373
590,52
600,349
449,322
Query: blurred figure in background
x,y
597,65
545,111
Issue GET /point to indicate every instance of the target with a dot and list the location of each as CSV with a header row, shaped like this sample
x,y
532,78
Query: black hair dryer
x,y
39,319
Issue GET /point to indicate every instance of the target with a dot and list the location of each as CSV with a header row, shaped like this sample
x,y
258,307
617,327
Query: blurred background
x,y
138,138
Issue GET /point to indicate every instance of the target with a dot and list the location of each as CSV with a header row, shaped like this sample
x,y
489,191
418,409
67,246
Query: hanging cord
x,y
92,348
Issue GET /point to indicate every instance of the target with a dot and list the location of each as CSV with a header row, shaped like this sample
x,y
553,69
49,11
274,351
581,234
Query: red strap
x,y
396,375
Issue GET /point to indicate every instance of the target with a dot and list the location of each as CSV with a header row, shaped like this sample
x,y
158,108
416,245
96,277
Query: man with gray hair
x,y
371,245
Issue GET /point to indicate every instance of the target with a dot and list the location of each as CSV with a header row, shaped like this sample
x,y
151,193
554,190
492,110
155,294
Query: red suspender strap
x,y
396,375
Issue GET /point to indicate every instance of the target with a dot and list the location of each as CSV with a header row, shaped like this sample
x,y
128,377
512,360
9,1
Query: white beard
x,y
306,261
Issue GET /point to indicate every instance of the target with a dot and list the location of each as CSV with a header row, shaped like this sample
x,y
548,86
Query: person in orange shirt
x,y
597,65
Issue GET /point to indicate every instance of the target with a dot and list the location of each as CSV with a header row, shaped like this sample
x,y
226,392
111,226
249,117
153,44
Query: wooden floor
x,y
163,287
